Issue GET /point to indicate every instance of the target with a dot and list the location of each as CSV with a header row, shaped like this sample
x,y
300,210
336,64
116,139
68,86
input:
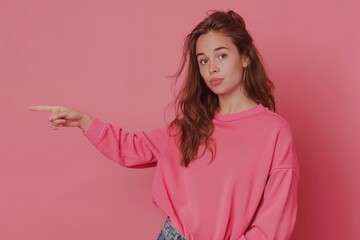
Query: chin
x,y
218,91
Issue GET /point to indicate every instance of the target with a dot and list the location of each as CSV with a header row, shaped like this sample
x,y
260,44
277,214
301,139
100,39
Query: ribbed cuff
x,y
95,130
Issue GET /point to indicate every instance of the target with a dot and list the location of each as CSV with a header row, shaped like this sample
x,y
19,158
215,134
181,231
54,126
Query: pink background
x,y
112,58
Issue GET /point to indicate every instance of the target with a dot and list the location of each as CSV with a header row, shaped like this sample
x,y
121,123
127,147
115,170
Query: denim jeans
x,y
170,233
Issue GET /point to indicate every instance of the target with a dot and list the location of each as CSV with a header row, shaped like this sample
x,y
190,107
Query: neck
x,y
234,103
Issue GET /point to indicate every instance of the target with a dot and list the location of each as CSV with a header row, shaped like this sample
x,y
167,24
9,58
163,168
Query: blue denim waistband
x,y
170,233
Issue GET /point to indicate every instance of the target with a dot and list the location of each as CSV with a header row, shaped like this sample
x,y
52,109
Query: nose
x,y
213,68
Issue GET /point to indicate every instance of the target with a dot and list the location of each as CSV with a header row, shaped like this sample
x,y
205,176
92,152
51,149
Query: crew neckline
x,y
241,114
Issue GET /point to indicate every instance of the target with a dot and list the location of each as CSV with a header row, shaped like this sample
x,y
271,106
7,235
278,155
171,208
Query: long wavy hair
x,y
196,104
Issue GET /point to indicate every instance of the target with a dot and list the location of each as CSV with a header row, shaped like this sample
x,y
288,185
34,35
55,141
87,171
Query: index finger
x,y
45,108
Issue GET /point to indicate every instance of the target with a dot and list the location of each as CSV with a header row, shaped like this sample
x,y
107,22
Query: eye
x,y
223,56
203,61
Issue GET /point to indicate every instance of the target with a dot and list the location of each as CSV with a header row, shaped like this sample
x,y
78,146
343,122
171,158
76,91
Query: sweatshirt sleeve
x,y
133,150
276,214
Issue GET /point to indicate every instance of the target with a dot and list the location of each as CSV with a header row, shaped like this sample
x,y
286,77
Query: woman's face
x,y
220,63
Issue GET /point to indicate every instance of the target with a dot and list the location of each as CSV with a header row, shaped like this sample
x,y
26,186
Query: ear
x,y
245,61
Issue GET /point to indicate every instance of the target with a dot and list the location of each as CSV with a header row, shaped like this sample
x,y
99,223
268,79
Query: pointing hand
x,y
65,117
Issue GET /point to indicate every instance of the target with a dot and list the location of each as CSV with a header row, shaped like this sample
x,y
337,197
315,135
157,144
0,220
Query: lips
x,y
216,81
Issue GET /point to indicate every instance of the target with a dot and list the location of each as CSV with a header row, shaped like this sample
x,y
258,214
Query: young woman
x,y
227,165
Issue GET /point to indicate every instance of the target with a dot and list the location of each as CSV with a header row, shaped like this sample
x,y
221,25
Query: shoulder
x,y
273,122
274,118
284,155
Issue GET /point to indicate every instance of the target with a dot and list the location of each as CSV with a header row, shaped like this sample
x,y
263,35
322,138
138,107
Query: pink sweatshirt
x,y
248,192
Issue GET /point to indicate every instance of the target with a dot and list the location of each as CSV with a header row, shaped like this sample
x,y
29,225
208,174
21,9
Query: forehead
x,y
206,43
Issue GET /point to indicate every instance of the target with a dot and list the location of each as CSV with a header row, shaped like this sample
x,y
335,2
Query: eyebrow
x,y
216,49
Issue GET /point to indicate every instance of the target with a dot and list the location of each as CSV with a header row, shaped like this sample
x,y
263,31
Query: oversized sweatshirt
x,y
248,192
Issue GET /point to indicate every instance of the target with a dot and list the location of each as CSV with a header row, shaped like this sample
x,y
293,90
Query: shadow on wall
x,y
314,115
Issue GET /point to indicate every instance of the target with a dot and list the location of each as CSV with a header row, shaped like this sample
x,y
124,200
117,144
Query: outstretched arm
x,y
136,150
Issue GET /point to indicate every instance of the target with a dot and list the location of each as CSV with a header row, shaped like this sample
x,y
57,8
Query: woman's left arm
x,y
276,215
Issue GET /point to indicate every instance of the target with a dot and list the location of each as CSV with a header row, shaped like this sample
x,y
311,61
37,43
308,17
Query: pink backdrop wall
x,y
111,58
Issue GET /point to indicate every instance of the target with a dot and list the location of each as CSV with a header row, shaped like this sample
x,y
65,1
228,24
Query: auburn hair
x,y
196,104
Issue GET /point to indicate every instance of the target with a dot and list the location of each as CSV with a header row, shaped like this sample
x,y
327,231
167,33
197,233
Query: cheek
x,y
205,77
203,73
235,70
